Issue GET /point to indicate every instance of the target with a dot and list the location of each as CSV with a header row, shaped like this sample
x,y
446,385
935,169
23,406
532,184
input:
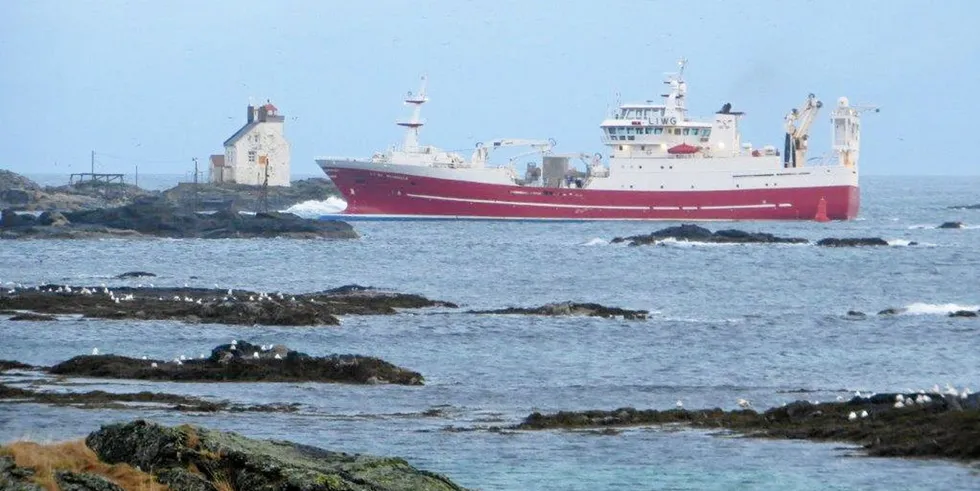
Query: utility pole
x,y
93,164
195,184
137,175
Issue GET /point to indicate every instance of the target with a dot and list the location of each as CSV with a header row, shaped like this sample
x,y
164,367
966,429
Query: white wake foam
x,y
920,308
316,209
596,242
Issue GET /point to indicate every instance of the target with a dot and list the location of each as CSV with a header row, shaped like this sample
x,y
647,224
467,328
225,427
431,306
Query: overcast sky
x,y
157,83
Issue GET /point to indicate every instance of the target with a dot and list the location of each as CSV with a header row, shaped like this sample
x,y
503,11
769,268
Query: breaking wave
x,y
920,308
316,209
596,242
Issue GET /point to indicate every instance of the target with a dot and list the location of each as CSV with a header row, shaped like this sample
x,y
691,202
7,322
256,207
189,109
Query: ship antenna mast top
x,y
414,125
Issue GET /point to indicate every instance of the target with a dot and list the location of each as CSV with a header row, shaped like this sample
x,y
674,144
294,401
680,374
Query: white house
x,y
255,153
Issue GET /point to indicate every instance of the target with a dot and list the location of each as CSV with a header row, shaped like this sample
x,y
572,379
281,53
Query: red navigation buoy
x,y
821,211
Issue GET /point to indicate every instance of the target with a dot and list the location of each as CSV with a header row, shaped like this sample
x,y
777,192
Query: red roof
x,y
269,107
683,148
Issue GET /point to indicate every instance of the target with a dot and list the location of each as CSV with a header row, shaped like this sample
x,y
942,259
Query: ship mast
x,y
414,125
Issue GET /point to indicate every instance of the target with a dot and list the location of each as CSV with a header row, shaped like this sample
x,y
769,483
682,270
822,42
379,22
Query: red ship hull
x,y
373,192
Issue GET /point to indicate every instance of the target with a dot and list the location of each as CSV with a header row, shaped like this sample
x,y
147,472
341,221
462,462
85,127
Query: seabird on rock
x,y
279,358
852,416
680,403
255,354
95,351
864,414
744,404
144,357
899,405
153,365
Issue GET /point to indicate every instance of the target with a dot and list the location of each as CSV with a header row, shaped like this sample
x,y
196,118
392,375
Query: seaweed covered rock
x,y
900,425
852,242
571,309
189,457
695,233
243,362
218,306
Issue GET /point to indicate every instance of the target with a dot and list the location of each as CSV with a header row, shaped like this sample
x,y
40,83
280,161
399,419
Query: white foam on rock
x,y
316,209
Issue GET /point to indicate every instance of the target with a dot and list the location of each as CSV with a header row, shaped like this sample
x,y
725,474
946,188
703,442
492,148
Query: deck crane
x,y
482,152
798,123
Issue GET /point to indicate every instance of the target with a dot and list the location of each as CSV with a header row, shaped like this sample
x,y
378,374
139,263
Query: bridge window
x,y
707,131
658,131
677,131
687,131
694,131
648,130
612,131
631,137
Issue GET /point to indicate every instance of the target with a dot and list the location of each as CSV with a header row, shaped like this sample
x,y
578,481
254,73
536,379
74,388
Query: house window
x,y
251,156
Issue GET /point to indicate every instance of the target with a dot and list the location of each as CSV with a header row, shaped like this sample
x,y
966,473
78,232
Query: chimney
x,y
251,114
263,114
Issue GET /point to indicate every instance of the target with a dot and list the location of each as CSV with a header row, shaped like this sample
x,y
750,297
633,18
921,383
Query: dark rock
x,y
253,464
154,216
53,219
951,225
856,314
11,219
211,305
571,309
13,365
134,274
852,242
239,363
16,197
31,316
71,481
963,313
966,207
694,233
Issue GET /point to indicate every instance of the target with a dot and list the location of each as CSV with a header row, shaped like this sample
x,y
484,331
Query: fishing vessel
x,y
662,165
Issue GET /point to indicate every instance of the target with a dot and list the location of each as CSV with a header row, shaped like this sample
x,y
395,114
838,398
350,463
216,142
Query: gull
x,y
144,357
852,416
179,362
899,405
840,398
926,399
951,390
680,404
176,298
153,365
95,351
234,341
966,393
857,393
255,354
182,357
230,293
278,357
899,397
864,414
744,404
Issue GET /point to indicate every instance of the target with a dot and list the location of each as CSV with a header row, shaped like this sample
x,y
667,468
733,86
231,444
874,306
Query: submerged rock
x,y
243,362
211,305
571,309
695,233
951,225
946,426
855,314
893,311
134,274
13,365
31,316
963,313
966,207
189,454
852,242
98,399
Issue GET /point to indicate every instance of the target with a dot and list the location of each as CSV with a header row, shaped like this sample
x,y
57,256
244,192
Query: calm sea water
x,y
728,322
